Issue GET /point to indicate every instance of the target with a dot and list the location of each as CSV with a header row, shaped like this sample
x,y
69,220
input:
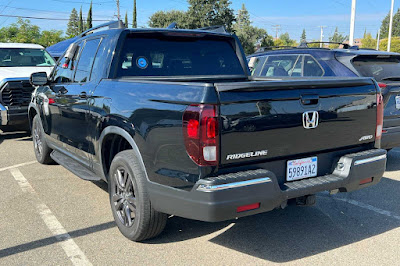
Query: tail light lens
x,y
382,85
379,116
200,131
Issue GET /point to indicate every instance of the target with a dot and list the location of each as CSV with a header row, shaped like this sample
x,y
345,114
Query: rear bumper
x,y
13,116
217,198
391,138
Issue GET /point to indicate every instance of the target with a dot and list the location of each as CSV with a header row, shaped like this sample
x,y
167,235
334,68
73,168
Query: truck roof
x,y
21,45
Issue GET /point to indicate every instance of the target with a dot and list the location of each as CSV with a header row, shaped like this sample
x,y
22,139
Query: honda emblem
x,y
310,119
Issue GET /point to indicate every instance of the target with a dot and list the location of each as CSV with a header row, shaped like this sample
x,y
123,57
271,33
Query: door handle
x,y
309,99
83,95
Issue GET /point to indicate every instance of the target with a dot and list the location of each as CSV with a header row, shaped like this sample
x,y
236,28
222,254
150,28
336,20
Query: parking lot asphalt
x,y
48,216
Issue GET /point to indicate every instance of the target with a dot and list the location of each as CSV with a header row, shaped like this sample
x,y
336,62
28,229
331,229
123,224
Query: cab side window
x,y
86,59
64,71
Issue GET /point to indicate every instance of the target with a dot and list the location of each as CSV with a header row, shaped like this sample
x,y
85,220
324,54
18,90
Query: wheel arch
x,y
113,134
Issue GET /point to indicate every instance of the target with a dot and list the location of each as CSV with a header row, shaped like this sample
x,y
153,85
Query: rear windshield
x,y
177,56
380,67
25,57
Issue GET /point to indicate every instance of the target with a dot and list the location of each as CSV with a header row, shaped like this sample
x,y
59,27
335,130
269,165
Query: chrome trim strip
x,y
211,188
370,160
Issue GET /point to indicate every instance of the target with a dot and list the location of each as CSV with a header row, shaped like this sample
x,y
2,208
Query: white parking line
x,y
74,253
17,165
370,207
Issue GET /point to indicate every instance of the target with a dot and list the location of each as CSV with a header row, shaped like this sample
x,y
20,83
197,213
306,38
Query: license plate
x,y
301,168
398,102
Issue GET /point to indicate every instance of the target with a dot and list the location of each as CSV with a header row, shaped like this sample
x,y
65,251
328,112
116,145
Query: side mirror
x,y
38,79
252,63
70,53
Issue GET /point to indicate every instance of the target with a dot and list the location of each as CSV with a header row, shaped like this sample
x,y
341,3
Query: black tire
x,y
42,150
129,199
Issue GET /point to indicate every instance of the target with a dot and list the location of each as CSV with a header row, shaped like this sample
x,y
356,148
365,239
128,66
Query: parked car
x,y
17,62
158,114
348,61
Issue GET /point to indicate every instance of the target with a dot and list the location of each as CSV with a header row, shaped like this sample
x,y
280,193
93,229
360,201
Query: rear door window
x,y
312,68
287,66
178,56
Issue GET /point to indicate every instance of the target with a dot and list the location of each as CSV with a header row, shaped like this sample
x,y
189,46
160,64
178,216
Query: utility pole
x,y
378,40
277,28
321,39
390,27
352,22
118,10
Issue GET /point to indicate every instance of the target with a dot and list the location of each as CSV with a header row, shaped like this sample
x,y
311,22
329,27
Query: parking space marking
x,y
74,253
370,207
16,166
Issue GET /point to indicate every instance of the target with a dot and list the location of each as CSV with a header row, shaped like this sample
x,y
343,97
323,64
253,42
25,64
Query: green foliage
x,y
89,17
303,36
314,45
126,19
50,37
395,28
249,35
336,37
81,26
394,47
134,21
24,32
284,40
204,13
368,41
73,24
162,19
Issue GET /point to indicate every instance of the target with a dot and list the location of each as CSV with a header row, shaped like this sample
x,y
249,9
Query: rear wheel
x,y
42,150
130,202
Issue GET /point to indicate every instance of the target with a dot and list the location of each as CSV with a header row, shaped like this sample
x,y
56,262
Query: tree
x,y
395,28
162,19
303,36
73,27
368,41
89,17
126,19
336,37
285,40
394,47
50,37
24,32
134,21
249,35
81,26
204,13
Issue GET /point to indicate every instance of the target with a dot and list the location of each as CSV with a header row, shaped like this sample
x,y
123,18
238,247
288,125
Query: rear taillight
x,y
200,132
379,116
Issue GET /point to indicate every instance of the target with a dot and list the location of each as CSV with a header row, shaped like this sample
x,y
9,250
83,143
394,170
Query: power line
x,y
42,18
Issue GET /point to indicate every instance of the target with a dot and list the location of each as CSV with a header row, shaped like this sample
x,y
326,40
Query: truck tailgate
x,y
269,119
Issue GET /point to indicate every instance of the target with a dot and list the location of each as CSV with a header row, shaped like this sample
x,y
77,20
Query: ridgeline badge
x,y
246,155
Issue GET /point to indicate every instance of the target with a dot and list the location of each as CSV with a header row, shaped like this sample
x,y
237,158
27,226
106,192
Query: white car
x,y
17,62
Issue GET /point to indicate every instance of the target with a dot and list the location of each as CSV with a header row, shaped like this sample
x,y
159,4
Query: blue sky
x,y
292,15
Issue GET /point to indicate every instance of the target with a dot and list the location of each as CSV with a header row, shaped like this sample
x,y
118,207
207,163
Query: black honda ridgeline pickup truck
x,y
172,120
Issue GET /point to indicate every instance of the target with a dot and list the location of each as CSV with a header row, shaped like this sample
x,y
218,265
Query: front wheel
x,y
130,202
42,150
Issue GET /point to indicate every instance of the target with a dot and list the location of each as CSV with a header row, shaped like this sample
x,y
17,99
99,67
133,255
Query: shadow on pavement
x,y
393,160
297,232
52,240
14,135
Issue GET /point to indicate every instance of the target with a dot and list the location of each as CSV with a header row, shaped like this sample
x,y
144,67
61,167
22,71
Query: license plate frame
x,y
301,168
